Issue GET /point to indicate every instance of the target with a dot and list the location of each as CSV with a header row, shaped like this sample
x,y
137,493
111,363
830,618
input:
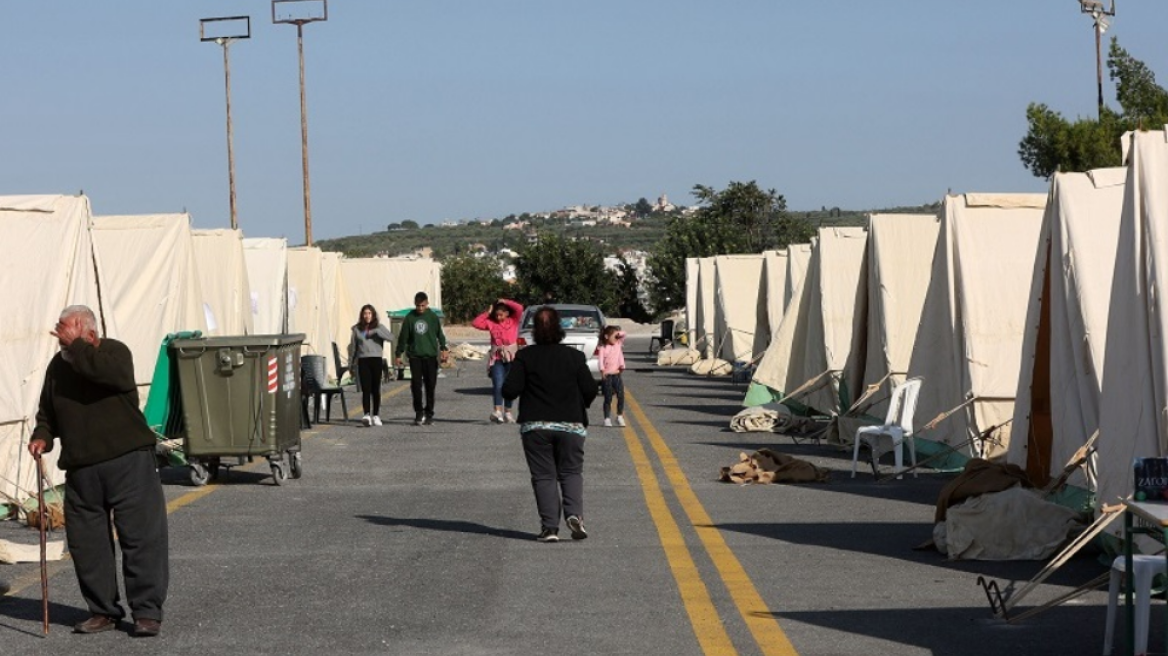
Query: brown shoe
x,y
147,628
95,624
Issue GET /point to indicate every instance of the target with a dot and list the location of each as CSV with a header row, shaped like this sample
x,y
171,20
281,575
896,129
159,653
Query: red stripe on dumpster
x,y
273,378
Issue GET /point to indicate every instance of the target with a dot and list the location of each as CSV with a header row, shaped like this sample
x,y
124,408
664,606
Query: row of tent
x,y
1035,320
148,276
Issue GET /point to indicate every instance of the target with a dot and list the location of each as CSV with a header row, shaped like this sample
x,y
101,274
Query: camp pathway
x,y
420,540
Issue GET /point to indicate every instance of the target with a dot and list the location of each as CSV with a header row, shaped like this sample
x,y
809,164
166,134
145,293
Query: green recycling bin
x,y
241,399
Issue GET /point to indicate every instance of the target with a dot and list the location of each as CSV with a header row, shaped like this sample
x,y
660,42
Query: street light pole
x,y
297,17
226,42
1099,19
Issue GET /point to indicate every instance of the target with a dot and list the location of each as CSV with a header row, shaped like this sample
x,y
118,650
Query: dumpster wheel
x,y
279,475
199,474
295,469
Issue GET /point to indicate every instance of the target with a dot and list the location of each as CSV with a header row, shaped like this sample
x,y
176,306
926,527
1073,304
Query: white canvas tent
x,y
387,284
692,300
308,306
148,284
798,257
267,277
816,334
222,273
898,260
970,338
1057,408
705,340
1132,418
739,305
775,265
47,249
335,299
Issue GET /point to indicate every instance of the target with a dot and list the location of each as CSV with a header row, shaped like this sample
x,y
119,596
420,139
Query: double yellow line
x,y
703,615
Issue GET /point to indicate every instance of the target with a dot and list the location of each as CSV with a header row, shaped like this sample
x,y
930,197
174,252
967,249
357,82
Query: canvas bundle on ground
x,y
769,418
677,357
712,367
767,466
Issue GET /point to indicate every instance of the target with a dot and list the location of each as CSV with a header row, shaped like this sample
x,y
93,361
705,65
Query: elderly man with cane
x,y
90,401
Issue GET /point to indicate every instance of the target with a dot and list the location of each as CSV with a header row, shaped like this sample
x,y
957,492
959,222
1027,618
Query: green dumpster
x,y
240,399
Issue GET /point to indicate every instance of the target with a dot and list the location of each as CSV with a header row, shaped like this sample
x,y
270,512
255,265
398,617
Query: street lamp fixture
x,y
300,13
225,31
1099,17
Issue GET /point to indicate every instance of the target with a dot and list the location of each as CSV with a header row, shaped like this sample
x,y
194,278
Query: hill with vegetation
x,y
642,233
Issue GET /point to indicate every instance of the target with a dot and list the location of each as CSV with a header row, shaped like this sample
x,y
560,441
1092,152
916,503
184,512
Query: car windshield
x,y
572,319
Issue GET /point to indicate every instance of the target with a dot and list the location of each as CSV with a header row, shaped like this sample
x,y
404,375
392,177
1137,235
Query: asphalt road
x,y
420,540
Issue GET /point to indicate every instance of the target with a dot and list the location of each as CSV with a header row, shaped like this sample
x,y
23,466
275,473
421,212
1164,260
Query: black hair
x,y
547,328
361,317
420,297
503,306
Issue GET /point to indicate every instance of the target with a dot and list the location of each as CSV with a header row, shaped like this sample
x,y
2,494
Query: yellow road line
x,y
762,624
18,584
703,616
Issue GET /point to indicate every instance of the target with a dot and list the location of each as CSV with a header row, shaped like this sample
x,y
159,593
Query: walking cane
x,y
41,517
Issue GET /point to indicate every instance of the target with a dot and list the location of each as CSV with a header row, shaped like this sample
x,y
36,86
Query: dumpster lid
x,y
398,314
239,341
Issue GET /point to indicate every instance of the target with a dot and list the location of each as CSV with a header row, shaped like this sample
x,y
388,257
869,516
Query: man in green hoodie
x,y
423,342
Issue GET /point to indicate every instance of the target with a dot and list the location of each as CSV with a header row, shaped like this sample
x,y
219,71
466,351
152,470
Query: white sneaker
x,y
620,420
608,422
367,420
497,417
376,420
508,418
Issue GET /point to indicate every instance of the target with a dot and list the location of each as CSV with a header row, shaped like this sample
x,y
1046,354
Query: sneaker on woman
x,y
496,417
620,420
376,420
508,418
367,420
608,422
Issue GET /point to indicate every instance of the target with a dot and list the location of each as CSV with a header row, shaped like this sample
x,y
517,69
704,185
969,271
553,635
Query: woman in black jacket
x,y
554,388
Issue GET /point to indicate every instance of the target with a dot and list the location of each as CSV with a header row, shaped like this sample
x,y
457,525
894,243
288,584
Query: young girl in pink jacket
x,y
502,321
610,357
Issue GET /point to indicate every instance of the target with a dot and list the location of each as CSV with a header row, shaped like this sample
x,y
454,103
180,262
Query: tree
x,y
469,285
739,219
628,293
643,208
409,224
1053,143
572,271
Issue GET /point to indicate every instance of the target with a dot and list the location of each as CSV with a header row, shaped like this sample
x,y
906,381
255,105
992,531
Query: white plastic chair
x,y
1146,568
898,426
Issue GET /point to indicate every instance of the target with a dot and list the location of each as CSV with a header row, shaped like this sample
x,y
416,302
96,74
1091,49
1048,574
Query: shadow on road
x,y
448,525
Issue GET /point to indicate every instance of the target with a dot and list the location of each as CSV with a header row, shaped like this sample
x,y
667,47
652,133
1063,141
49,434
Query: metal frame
x,y
298,21
218,39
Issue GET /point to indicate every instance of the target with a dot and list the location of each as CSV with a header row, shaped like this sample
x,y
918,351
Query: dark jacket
x,y
421,335
552,383
91,403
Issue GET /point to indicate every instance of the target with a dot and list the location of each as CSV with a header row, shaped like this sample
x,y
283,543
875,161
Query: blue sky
x,y
434,110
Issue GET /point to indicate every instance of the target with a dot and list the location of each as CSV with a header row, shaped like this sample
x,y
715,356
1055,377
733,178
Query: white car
x,y
582,327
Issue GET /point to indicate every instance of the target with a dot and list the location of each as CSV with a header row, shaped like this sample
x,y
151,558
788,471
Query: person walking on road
x,y
554,388
90,402
366,351
502,321
424,345
610,359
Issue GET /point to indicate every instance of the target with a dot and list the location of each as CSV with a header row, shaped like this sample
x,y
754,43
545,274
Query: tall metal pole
x,y
230,136
304,139
225,31
1099,64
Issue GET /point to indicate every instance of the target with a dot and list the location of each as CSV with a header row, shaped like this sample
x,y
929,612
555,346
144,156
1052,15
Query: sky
x,y
441,110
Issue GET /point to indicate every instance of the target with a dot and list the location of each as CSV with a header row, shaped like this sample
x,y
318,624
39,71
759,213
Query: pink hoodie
x,y
502,332
611,357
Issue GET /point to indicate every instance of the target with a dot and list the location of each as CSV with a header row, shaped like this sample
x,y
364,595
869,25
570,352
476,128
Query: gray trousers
x,y
556,462
128,487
